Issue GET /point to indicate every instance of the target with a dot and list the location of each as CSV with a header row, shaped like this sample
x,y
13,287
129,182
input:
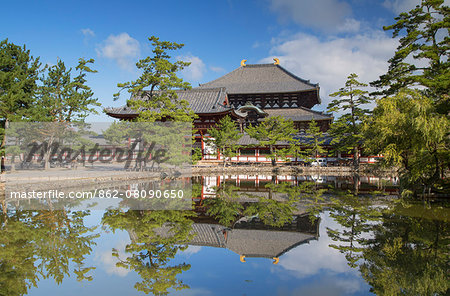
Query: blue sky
x,y
321,40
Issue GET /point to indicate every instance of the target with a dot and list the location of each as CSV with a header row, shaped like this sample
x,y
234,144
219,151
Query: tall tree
x,y
347,130
225,137
18,75
63,98
422,57
270,131
153,93
411,136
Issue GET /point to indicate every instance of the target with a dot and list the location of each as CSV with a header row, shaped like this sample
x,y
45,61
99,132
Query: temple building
x,y
248,94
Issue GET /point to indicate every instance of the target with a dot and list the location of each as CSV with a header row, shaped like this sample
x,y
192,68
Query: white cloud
x,y
122,48
330,61
109,261
330,286
399,6
88,33
191,250
316,257
328,15
349,25
195,70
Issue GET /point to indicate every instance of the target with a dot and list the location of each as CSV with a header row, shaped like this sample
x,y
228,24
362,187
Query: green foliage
x,y
409,256
270,131
156,237
154,91
226,207
354,216
398,251
407,130
173,138
225,137
63,98
422,58
196,155
315,140
35,245
18,74
347,130
275,210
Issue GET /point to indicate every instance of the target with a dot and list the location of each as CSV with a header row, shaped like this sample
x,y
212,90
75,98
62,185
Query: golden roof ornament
x,y
277,61
243,63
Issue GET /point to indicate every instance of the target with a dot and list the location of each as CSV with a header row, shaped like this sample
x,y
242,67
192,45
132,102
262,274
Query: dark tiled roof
x,y
303,139
299,114
263,243
261,78
208,100
208,235
246,140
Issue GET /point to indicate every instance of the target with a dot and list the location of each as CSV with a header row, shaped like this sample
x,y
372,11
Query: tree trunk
x,y
356,158
13,166
356,184
48,154
274,157
224,158
2,145
2,168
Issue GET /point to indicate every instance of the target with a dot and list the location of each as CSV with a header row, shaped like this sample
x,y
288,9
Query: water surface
x,y
270,235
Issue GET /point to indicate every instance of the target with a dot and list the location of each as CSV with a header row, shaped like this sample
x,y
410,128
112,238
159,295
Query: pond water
x,y
248,235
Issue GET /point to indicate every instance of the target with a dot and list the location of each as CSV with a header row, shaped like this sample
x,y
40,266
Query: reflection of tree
x,y
41,244
275,207
355,216
156,237
401,251
17,270
408,256
225,207
60,238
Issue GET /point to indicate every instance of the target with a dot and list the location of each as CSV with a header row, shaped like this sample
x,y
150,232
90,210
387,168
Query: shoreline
x,y
295,170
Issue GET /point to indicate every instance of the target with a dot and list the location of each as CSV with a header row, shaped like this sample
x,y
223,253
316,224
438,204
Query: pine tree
x,y
153,93
225,137
18,75
347,130
315,139
422,57
270,131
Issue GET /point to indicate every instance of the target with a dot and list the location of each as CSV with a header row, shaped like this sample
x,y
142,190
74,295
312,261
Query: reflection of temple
x,y
257,183
251,238
254,239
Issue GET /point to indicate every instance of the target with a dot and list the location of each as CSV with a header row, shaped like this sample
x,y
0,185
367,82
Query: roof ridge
x,y
296,77
260,65
314,111
263,65
221,88
217,98
197,89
